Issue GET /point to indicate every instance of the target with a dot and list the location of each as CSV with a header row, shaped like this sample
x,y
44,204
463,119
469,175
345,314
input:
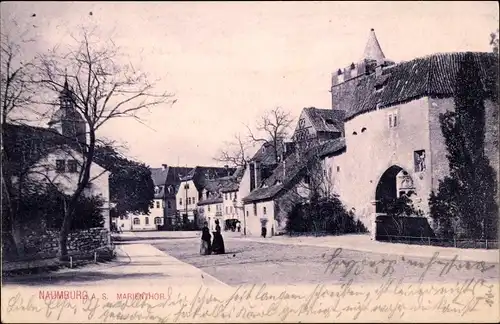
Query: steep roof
x,y
25,145
433,75
293,166
373,51
201,174
266,155
168,176
326,120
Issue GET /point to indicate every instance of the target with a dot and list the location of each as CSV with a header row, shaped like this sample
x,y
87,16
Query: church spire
x,y
372,49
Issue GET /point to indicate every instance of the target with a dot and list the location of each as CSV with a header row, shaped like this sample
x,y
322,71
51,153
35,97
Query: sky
x,y
228,63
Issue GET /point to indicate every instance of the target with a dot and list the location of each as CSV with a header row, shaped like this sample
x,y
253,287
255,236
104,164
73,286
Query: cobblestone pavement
x,y
247,262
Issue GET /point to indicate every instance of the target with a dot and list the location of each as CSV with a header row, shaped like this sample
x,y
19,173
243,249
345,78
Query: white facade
x,y
187,199
260,214
62,167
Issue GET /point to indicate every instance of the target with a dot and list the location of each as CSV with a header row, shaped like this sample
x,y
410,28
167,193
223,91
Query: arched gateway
x,y
393,183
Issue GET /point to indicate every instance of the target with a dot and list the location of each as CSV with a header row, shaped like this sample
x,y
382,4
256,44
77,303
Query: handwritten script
x,y
355,298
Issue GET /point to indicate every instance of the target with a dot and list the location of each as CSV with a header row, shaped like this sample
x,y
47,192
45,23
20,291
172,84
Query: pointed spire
x,y
66,87
372,49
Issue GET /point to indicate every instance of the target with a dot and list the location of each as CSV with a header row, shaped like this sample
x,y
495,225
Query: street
x,y
247,262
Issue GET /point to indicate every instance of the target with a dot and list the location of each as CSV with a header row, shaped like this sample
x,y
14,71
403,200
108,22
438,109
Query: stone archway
x,y
393,183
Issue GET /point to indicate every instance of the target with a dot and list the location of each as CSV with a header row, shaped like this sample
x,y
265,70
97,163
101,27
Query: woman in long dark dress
x,y
205,248
218,243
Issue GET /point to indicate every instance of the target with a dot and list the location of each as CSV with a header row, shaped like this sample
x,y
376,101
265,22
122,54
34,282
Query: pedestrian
x,y
218,243
205,248
239,227
263,231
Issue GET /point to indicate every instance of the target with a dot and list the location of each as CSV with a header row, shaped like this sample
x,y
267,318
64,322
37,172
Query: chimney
x,y
227,169
164,166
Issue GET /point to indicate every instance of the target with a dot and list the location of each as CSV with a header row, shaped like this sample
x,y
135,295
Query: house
x,y
269,205
259,168
190,190
217,199
162,209
54,156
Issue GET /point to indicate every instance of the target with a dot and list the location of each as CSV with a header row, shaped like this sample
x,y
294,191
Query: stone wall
x,y
46,244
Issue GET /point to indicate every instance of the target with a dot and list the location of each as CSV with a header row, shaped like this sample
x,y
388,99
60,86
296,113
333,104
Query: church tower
x,y
67,120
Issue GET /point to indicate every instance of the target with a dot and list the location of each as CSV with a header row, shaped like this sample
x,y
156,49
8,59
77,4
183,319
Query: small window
x,y
390,120
146,220
163,204
157,221
207,194
235,196
338,169
255,209
157,204
137,221
395,120
72,166
189,201
169,205
363,129
227,210
231,209
208,207
264,211
330,121
247,213
225,196
354,133
121,217
419,159
194,200
180,201
60,165
152,205
157,190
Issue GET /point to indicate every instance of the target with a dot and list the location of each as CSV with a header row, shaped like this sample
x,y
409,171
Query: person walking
x,y
218,243
205,248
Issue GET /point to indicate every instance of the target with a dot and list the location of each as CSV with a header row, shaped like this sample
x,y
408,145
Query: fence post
x,y
486,242
95,257
429,239
454,242
71,262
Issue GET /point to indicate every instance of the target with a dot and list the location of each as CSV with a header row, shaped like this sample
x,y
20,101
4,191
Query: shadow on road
x,y
77,276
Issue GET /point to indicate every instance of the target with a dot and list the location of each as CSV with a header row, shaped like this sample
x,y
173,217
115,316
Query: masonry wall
x,y
46,244
371,152
254,224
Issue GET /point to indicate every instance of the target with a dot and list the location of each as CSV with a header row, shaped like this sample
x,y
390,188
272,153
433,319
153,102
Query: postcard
x,y
249,162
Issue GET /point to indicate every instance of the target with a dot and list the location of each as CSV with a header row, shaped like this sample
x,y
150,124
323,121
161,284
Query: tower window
x,y
419,160
72,166
354,133
264,211
60,166
363,129
157,204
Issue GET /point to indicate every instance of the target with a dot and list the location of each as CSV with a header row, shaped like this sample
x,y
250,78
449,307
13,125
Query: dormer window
x,y
157,190
330,121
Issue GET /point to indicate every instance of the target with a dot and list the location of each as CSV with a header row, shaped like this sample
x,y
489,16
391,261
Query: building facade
x,y
381,139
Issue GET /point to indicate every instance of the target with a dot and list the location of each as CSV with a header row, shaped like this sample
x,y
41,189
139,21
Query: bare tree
x,y
494,41
103,89
272,129
235,152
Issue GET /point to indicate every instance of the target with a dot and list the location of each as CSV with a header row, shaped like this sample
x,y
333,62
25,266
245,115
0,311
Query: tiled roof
x,y
433,75
326,120
263,193
294,164
265,155
201,174
211,200
29,144
159,176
